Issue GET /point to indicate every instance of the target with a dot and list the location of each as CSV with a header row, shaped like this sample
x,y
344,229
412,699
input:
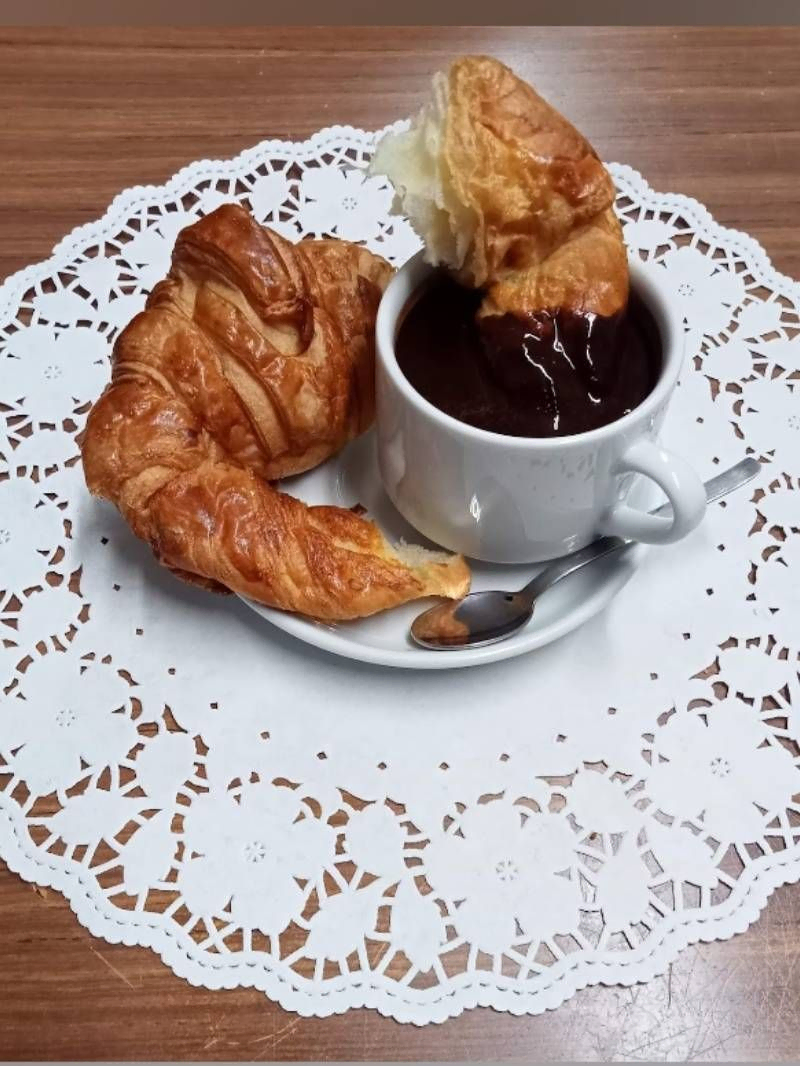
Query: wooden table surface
x,y
709,112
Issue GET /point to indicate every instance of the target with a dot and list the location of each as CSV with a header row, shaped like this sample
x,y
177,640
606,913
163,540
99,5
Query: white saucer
x,y
352,477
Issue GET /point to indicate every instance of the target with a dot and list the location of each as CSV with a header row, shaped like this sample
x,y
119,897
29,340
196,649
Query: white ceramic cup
x,y
527,499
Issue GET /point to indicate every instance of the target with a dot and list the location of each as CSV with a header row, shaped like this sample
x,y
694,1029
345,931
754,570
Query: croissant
x,y
509,195
252,360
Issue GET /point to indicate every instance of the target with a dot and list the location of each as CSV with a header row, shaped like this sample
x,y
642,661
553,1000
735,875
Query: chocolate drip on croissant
x,y
568,371
538,375
511,198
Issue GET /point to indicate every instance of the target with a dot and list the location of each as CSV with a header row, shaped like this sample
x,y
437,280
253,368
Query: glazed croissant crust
x,y
252,360
507,193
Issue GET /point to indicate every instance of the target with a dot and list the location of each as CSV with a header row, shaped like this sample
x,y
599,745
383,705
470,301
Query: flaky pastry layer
x,y
253,360
508,194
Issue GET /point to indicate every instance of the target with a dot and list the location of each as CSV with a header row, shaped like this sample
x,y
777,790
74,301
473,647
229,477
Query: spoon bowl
x,y
479,619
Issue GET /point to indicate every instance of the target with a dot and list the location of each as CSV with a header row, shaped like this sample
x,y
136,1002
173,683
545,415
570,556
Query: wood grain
x,y
708,112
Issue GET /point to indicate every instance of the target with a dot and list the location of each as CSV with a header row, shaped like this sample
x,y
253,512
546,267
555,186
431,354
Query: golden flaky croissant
x,y
507,193
253,359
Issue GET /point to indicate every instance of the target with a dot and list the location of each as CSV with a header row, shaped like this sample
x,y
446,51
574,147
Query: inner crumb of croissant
x,y
415,555
414,162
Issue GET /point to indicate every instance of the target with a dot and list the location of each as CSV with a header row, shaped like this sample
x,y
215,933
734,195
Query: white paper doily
x,y
340,835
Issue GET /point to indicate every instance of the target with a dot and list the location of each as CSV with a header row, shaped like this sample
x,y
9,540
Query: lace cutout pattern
x,y
340,836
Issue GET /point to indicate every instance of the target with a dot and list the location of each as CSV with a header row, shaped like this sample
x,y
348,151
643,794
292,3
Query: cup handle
x,y
682,486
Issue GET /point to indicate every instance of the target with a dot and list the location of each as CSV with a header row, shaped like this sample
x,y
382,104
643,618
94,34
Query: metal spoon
x,y
487,617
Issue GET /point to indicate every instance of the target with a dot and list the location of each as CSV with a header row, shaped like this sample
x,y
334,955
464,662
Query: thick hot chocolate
x,y
542,375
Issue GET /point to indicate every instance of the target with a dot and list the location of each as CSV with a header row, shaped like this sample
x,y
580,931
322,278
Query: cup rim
x,y
660,301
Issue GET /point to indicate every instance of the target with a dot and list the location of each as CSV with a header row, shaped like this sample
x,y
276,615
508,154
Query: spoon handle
x,y
715,487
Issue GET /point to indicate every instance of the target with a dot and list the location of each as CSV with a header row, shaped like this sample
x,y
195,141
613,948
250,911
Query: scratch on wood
x,y
288,1030
277,1038
630,1052
113,969
706,1050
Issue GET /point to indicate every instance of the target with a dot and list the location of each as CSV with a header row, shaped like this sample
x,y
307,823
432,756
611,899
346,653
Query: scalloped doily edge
x,y
463,993
126,199
749,246
129,198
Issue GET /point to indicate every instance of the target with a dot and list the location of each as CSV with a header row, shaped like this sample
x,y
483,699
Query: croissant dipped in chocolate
x,y
510,197
252,360
508,194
